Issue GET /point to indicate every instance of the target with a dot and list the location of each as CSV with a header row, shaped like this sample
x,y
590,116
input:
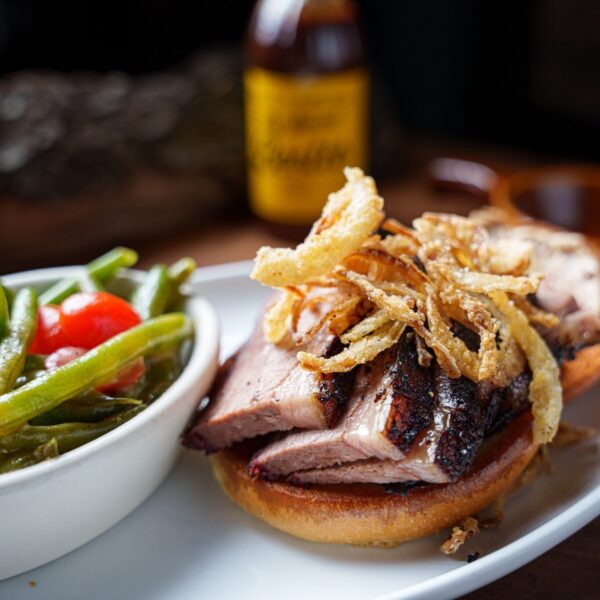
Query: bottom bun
x,y
581,373
368,515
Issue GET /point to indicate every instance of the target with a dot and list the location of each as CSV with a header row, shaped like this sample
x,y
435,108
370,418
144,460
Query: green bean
x,y
34,362
27,458
47,450
94,368
133,390
102,269
160,375
179,273
17,460
4,316
150,297
27,376
21,331
67,435
88,283
79,411
10,296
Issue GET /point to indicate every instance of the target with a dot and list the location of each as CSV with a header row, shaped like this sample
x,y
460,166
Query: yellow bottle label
x,y
301,131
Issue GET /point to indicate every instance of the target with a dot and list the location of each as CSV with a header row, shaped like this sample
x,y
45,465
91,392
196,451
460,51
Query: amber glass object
x,y
306,105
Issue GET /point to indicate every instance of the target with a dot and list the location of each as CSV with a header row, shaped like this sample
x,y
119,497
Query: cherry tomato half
x,y
63,356
49,334
128,375
90,318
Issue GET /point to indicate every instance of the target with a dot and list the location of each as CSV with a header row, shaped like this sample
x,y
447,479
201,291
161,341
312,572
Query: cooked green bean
x,y
88,283
150,297
26,458
97,366
27,376
17,460
34,362
84,411
160,374
47,450
21,331
4,316
67,435
10,295
102,269
179,273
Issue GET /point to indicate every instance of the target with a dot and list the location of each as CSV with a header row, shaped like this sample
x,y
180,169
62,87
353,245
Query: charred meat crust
x,y
334,390
463,431
566,352
412,395
507,403
479,410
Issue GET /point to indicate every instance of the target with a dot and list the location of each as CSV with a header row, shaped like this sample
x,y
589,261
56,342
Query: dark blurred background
x,y
152,106
524,72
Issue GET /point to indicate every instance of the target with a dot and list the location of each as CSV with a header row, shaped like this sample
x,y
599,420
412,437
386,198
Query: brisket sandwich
x,y
401,378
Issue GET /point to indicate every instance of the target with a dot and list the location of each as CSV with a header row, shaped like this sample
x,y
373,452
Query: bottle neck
x,y
305,36
274,22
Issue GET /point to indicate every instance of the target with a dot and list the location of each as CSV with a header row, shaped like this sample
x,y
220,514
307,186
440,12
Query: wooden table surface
x,y
570,570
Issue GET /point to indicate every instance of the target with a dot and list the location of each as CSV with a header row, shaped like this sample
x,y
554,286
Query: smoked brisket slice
x,y
392,403
263,389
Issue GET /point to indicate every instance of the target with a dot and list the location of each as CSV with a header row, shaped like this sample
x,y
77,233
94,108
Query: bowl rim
x,y
203,356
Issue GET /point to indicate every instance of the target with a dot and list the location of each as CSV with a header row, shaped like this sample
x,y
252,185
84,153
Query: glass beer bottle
x,y
306,107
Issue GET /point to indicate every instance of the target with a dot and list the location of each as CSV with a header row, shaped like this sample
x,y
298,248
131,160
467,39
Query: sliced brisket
x,y
392,403
440,454
263,389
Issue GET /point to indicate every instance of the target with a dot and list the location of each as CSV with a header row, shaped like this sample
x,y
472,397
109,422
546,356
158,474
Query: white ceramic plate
x,y
188,541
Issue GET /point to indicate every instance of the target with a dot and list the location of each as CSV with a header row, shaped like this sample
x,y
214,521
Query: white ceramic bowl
x,y
54,507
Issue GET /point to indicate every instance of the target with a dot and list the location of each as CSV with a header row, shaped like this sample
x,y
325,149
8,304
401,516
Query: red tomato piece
x,y
49,335
129,375
90,318
63,356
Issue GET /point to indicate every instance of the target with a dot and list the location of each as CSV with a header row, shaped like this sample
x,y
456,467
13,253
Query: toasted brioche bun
x,y
367,515
582,373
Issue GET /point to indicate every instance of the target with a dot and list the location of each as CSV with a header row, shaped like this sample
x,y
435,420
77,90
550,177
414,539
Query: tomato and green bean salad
x,y
78,361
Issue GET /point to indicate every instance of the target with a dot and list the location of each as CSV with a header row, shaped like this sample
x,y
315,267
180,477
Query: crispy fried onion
x,y
423,355
472,312
357,353
336,309
460,533
349,218
534,314
399,309
278,320
368,325
487,282
367,288
509,257
545,391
